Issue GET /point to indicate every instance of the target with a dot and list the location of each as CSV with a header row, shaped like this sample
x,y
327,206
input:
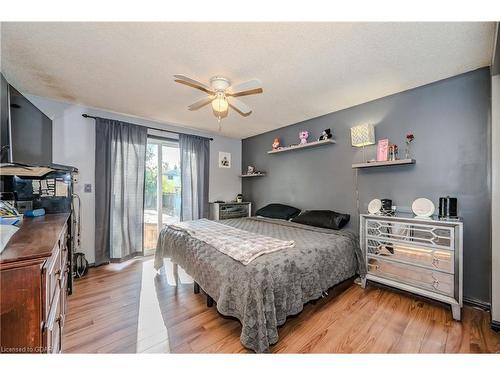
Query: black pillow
x,y
278,211
323,219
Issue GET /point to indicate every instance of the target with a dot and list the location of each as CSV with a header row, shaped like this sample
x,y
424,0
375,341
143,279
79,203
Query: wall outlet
x,y
87,188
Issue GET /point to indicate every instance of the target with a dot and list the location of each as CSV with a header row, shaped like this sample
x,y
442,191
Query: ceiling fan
x,y
222,95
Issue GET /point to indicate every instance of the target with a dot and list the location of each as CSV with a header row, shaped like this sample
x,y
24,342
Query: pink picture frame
x,y
382,150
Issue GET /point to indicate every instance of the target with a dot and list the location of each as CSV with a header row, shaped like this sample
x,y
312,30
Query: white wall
x,y
495,198
74,144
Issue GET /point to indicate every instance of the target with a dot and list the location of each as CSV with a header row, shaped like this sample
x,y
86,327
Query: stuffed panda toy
x,y
326,134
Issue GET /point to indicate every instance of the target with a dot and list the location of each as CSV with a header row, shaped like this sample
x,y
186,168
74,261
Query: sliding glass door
x,y
162,193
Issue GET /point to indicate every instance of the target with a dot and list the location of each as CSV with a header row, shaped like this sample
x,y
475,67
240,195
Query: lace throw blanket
x,y
239,244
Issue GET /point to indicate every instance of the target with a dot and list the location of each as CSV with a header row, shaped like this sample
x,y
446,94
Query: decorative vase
x,y
407,151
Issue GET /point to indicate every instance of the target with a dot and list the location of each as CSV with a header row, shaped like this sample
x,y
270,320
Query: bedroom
x,y
323,187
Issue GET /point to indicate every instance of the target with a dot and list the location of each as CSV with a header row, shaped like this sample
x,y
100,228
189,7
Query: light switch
x,y
87,188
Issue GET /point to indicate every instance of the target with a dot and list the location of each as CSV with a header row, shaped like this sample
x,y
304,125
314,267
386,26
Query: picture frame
x,y
224,159
383,150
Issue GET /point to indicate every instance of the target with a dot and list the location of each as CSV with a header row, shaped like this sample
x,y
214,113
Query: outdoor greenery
x,y
151,171
168,186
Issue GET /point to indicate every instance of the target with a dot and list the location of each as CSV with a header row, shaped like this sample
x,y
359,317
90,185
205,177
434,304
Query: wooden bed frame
x,y
210,300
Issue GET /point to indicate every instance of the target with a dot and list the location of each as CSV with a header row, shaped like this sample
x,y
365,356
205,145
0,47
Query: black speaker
x,y
386,204
447,207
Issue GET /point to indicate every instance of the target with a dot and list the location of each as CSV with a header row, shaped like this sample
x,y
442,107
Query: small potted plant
x,y
409,139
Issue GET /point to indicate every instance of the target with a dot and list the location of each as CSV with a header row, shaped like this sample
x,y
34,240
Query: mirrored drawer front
x,y
441,260
432,234
231,211
415,276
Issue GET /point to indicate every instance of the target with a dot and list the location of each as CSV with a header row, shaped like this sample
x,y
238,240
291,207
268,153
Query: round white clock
x,y
423,207
375,206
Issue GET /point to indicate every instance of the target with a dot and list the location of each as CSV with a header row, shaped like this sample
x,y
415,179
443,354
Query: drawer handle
x,y
435,262
59,277
435,283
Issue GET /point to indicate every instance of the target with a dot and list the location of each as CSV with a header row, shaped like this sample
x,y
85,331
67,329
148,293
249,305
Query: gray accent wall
x,y
451,123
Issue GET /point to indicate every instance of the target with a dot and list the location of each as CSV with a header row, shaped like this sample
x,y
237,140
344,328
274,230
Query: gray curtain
x,y
195,161
119,189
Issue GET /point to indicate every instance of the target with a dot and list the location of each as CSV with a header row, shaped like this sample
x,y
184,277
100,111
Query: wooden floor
x,y
128,308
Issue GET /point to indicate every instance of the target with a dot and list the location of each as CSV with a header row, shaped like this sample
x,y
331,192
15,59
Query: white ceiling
x,y
307,69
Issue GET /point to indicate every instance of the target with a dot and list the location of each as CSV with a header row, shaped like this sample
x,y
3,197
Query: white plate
x,y
423,207
375,206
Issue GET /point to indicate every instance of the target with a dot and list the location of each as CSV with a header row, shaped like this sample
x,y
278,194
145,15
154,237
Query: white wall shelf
x,y
300,147
260,174
388,163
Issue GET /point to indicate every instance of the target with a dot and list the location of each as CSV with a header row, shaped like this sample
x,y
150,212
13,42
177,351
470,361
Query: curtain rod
x,y
149,127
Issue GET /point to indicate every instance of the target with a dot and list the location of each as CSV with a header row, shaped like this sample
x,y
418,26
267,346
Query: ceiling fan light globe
x,y
220,104
221,115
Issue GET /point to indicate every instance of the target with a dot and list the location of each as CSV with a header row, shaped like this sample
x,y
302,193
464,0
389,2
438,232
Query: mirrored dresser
x,y
421,256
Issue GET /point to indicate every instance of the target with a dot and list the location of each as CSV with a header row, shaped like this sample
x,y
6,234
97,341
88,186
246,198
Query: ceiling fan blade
x,y
192,82
254,86
200,103
241,107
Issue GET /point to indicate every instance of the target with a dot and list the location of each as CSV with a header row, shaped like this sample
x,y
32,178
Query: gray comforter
x,y
273,286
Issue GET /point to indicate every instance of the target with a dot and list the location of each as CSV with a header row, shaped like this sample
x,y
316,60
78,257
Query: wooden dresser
x,y
34,273
421,256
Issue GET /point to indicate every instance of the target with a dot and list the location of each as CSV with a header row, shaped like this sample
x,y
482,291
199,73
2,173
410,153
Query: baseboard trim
x,y
119,260
477,303
495,326
130,256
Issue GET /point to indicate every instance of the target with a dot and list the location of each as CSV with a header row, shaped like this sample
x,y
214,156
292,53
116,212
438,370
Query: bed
x,y
273,286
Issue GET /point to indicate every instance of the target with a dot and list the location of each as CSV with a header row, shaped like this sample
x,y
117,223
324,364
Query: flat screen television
x,y
26,131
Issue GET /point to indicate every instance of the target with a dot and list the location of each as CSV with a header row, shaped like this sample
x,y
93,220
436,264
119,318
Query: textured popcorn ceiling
x,y
307,69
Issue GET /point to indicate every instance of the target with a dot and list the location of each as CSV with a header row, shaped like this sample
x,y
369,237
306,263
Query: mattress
x,y
273,286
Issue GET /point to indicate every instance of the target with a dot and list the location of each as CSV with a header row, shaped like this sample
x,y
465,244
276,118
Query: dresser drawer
x,y
65,264
441,260
52,333
55,268
52,276
64,247
419,277
229,211
411,233
63,300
